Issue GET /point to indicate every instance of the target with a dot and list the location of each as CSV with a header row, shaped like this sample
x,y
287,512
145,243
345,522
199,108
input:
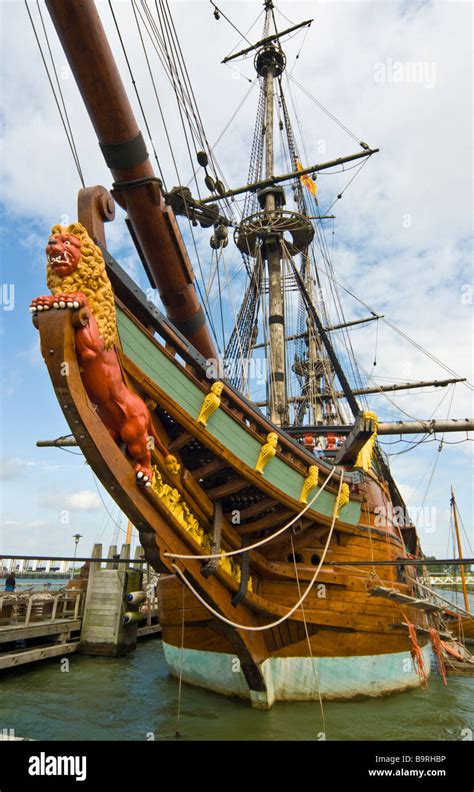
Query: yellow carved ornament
x,y
310,483
172,464
267,452
342,500
180,510
211,403
364,457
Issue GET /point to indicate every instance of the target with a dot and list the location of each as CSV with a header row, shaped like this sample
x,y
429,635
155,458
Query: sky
x,y
396,74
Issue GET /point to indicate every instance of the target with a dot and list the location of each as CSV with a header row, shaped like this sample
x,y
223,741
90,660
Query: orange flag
x,y
307,180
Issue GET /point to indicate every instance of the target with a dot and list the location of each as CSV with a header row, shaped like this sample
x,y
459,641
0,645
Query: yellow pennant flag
x,y
307,180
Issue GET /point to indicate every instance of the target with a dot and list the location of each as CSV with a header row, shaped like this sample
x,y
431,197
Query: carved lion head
x,y
76,264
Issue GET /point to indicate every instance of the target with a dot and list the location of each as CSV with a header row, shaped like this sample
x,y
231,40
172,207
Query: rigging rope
x,y
261,542
64,118
400,332
323,108
293,609
438,454
134,83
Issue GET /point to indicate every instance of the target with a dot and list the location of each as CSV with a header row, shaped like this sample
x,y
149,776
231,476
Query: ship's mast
x,y
269,63
268,226
458,538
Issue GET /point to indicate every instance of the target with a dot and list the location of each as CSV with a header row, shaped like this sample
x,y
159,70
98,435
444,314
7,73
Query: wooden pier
x,y
92,614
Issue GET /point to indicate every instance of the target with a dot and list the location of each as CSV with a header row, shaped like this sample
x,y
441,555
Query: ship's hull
x,y
463,628
467,629
360,643
349,648
299,678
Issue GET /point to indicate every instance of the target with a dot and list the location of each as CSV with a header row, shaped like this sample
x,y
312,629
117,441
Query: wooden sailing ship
x,y
275,560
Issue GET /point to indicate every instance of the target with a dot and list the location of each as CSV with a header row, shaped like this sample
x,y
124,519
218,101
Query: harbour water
x,y
134,698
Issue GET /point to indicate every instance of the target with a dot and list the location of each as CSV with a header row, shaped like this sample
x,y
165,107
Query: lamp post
x,y
76,538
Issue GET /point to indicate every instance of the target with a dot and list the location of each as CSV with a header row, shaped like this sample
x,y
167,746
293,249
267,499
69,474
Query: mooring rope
x,y
261,541
294,608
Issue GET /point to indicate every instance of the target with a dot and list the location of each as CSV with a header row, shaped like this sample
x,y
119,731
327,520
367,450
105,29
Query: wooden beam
x,y
235,484
210,567
292,175
181,441
398,386
363,429
271,520
328,329
255,508
398,596
14,659
208,469
428,427
267,40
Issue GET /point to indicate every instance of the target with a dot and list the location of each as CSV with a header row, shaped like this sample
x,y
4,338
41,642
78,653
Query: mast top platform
x,y
270,57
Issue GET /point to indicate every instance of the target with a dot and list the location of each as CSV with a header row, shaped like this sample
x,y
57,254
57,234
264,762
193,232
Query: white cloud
x,y
83,500
12,468
19,524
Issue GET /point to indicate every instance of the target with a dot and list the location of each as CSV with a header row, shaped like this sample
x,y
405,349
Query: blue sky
x,y
403,235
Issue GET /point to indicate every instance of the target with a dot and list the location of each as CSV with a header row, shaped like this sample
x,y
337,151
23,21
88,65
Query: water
x,y
134,698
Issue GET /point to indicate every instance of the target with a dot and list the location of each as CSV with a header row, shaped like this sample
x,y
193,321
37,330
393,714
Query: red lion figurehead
x,y
64,253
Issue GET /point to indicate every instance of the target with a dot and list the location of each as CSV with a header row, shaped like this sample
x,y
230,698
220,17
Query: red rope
x,y
452,651
416,653
438,652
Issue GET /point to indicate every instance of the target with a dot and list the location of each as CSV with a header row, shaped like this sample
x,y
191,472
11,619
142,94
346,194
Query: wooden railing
x,y
24,608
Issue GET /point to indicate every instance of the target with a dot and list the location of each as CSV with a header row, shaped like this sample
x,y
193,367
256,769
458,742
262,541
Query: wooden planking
x,y
18,632
15,659
228,431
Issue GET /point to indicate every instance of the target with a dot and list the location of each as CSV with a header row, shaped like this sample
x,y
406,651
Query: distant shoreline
x,y
40,575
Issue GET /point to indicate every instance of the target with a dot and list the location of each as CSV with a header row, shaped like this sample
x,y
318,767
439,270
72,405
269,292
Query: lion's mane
x,y
90,278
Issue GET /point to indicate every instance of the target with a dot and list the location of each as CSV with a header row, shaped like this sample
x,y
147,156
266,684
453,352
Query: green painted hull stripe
x,y
171,379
